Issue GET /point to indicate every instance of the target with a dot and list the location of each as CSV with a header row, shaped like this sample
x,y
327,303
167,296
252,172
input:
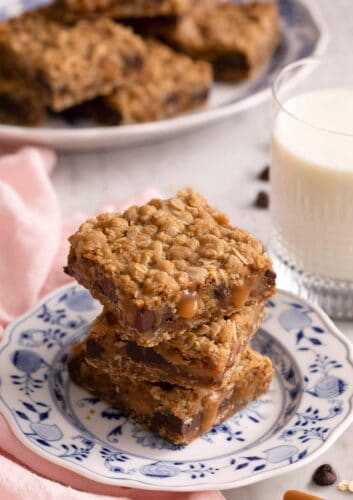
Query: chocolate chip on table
x,y
262,200
324,475
144,320
264,175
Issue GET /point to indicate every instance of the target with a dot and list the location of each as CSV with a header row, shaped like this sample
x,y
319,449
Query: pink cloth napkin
x,y
33,249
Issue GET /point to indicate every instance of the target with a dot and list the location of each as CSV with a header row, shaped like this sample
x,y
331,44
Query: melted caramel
x,y
187,305
210,409
299,495
240,294
142,404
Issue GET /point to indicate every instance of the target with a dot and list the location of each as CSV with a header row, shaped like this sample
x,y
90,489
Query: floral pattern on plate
x,y
307,407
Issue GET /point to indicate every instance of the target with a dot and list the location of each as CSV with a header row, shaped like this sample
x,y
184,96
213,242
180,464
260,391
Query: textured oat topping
x,y
70,64
236,38
167,249
213,33
170,84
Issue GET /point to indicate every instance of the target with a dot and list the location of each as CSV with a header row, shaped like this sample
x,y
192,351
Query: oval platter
x,y
304,33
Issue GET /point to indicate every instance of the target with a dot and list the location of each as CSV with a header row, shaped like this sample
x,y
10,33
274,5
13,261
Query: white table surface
x,y
220,161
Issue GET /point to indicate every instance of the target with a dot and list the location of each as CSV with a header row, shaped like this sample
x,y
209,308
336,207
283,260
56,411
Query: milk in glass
x,y
312,181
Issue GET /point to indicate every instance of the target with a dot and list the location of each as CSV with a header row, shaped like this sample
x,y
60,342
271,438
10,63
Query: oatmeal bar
x,y
201,357
171,84
175,413
72,10
236,38
19,103
70,64
169,266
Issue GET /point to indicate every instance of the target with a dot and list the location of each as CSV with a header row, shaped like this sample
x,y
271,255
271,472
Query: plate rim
x,y
72,138
331,439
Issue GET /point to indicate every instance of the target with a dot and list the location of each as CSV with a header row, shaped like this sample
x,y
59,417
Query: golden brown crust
x,y
70,64
171,83
236,38
175,413
169,266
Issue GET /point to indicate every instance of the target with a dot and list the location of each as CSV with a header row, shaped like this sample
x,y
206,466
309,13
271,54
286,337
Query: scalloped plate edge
x,y
332,438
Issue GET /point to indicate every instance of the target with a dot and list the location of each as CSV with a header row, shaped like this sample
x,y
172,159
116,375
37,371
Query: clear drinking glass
x,y
312,181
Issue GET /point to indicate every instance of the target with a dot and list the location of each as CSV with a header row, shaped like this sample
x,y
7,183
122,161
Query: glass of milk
x,y
312,181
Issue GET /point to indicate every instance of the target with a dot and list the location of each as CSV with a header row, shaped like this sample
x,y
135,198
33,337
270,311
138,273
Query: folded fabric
x,y
33,249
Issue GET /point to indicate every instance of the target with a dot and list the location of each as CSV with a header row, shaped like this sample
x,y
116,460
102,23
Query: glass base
x,y
334,296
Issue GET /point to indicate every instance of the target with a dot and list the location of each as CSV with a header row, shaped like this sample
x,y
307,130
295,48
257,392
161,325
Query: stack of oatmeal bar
x,y
128,61
183,293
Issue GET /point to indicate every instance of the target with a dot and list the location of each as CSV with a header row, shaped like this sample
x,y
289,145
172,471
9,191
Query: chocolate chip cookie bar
x,y
203,357
172,83
19,103
120,9
236,38
175,413
70,64
169,266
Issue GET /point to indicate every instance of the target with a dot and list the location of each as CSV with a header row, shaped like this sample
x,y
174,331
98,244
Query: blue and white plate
x,y
309,404
303,34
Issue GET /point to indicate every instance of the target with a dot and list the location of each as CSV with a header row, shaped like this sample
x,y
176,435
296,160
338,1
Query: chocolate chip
x,y
221,292
110,318
225,404
200,96
68,270
94,348
74,274
264,175
133,61
270,278
172,99
230,61
74,368
165,386
107,287
144,320
9,106
175,425
262,200
324,475
145,355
